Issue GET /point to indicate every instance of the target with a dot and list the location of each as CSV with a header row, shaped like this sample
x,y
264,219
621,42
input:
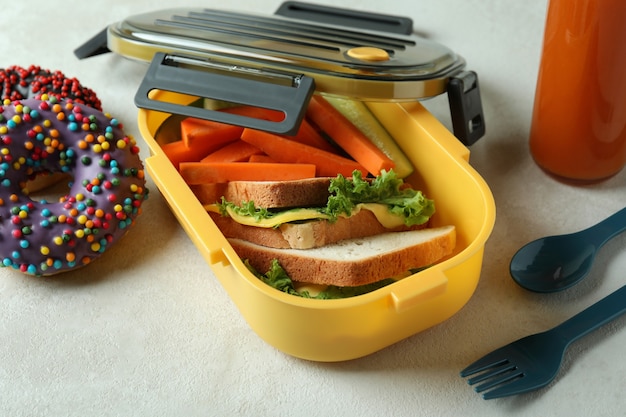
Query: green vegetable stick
x,y
360,116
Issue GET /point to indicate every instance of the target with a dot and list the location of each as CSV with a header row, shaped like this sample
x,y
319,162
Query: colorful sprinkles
x,y
18,83
105,196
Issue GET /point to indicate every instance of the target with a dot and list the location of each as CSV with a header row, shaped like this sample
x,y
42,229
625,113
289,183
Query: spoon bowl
x,y
555,263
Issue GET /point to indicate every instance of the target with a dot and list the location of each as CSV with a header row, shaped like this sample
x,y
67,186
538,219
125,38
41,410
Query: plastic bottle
x,y
578,130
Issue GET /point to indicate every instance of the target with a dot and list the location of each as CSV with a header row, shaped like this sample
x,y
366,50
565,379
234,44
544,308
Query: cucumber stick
x,y
358,113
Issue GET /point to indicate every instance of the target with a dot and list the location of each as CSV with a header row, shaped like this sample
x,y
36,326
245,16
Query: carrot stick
x,y
260,158
286,150
256,113
177,152
216,172
308,135
209,192
347,136
237,151
206,135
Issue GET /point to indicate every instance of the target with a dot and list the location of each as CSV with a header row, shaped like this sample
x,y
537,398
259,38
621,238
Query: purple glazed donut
x,y
105,194
18,83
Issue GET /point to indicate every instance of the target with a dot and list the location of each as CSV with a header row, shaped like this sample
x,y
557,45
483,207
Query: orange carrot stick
x,y
286,150
308,135
216,172
260,158
177,152
209,192
256,113
347,136
237,151
206,136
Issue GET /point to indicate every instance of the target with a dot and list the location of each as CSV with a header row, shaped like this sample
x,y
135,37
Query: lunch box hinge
x,y
95,46
466,107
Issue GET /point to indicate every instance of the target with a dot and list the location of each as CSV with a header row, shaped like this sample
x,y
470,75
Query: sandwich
x,y
342,235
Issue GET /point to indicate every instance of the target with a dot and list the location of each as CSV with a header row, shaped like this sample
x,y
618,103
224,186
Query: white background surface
x,y
149,330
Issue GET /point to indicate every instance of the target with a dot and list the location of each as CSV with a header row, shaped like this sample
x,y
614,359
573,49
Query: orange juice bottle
x,y
578,130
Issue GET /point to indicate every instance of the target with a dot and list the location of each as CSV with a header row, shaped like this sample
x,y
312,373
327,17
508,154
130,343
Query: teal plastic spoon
x,y
555,263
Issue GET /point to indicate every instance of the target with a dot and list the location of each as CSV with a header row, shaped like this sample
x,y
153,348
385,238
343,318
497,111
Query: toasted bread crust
x,y
268,194
362,261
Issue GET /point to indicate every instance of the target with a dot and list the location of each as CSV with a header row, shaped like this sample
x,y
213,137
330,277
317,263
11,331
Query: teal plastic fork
x,y
533,362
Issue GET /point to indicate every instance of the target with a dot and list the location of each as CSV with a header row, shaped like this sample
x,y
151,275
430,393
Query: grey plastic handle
x,y
346,17
188,75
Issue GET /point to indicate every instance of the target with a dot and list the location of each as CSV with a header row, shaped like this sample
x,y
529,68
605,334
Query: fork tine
x,y
500,379
482,364
518,386
493,372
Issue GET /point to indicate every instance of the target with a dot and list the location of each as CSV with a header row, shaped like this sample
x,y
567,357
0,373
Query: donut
x,y
105,194
17,83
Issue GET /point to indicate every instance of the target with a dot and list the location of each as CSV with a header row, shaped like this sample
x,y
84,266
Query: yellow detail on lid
x,y
368,53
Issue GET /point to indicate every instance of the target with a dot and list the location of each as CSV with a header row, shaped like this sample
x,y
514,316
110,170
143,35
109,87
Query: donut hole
x,y
49,186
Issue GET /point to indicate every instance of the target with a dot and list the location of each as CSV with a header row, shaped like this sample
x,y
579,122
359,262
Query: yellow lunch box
x,y
319,330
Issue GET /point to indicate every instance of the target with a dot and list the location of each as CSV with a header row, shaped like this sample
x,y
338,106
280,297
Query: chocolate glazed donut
x,y
105,196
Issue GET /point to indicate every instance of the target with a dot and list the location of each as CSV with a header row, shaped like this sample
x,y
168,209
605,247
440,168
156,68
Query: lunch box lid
x,y
300,49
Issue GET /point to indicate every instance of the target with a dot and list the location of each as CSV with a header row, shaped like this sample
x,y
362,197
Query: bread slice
x,y
310,234
355,262
308,192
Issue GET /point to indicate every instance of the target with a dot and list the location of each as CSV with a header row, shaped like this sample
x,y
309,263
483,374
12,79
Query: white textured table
x,y
153,333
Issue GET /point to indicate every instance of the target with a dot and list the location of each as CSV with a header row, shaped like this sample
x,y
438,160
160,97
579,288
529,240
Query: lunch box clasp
x,y
466,108
269,89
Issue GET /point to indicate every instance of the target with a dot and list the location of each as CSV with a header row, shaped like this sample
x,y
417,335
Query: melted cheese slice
x,y
382,213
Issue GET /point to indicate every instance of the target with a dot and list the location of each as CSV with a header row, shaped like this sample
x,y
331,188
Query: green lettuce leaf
x,y
247,208
277,278
386,188
346,193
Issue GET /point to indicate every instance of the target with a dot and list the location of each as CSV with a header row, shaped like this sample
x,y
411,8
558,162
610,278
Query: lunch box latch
x,y
202,78
466,108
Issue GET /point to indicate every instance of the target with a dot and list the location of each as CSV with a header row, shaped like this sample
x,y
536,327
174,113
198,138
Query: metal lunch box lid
x,y
346,53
